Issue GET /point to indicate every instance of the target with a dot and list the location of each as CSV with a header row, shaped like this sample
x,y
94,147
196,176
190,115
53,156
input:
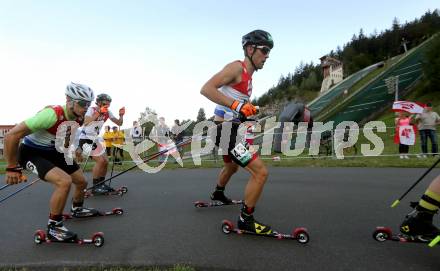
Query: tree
x,y
311,82
148,119
201,115
361,51
396,24
431,65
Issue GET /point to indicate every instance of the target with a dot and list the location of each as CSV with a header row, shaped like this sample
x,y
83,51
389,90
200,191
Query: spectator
x,y
108,140
427,122
177,134
118,138
403,120
136,133
161,134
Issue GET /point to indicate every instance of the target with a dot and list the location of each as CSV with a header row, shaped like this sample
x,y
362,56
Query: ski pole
x,y
397,201
184,143
29,184
4,186
21,189
113,164
151,157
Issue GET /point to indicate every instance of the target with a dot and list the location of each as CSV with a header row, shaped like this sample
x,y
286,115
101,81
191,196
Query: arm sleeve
x,y
43,120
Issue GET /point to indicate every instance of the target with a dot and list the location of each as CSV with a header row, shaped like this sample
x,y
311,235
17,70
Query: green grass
x,y
390,159
339,102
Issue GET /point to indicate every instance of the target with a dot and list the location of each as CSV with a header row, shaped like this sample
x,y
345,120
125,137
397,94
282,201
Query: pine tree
x,y
201,115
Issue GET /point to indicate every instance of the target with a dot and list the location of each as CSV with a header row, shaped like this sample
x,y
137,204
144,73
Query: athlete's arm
x,y
91,116
117,121
11,142
230,74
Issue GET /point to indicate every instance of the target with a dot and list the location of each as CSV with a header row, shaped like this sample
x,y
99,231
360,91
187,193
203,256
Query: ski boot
x,y
80,212
57,232
418,225
102,189
219,195
247,223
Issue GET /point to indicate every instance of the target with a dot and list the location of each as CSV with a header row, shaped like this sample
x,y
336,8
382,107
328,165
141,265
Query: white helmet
x,y
80,92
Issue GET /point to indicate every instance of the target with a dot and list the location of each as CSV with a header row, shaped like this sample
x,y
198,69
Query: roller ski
x,y
106,190
57,233
218,198
203,204
417,227
82,212
253,227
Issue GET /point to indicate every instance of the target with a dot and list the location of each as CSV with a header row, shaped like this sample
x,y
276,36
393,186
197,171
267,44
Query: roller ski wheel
x,y
115,211
97,239
118,192
301,234
215,203
382,234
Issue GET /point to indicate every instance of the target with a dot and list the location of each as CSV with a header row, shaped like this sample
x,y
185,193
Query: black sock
x,y
77,204
247,212
98,180
55,218
220,188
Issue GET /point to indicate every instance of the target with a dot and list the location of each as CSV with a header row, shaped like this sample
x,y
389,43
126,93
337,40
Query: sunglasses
x,y
264,49
82,103
105,103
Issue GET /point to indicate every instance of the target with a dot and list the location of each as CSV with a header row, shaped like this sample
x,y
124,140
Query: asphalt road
x,y
339,206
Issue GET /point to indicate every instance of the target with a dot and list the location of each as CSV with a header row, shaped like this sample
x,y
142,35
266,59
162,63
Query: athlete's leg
x,y
226,173
99,172
253,190
254,187
100,168
61,181
79,180
435,185
55,227
420,220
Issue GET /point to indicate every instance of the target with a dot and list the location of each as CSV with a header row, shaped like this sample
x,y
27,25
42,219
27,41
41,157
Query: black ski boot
x,y
80,212
219,195
57,232
248,223
102,189
418,224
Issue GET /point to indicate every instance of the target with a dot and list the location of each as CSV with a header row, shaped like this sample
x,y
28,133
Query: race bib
x,y
241,153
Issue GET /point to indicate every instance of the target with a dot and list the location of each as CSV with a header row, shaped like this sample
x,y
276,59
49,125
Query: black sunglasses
x,y
264,49
82,103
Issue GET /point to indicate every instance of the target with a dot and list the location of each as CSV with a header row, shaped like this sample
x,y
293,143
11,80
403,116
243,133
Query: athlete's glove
x,y
122,111
14,175
245,109
103,109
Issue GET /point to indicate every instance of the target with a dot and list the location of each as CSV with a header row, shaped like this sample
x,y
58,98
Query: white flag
x,y
410,107
407,135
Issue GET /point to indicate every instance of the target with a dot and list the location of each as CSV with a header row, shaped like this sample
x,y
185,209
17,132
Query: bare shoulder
x,y
234,67
232,71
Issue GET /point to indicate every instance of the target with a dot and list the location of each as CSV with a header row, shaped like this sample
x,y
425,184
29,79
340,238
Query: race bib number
x,y
241,153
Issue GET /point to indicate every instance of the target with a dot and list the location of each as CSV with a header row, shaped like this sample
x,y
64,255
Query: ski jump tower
x,y
332,70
